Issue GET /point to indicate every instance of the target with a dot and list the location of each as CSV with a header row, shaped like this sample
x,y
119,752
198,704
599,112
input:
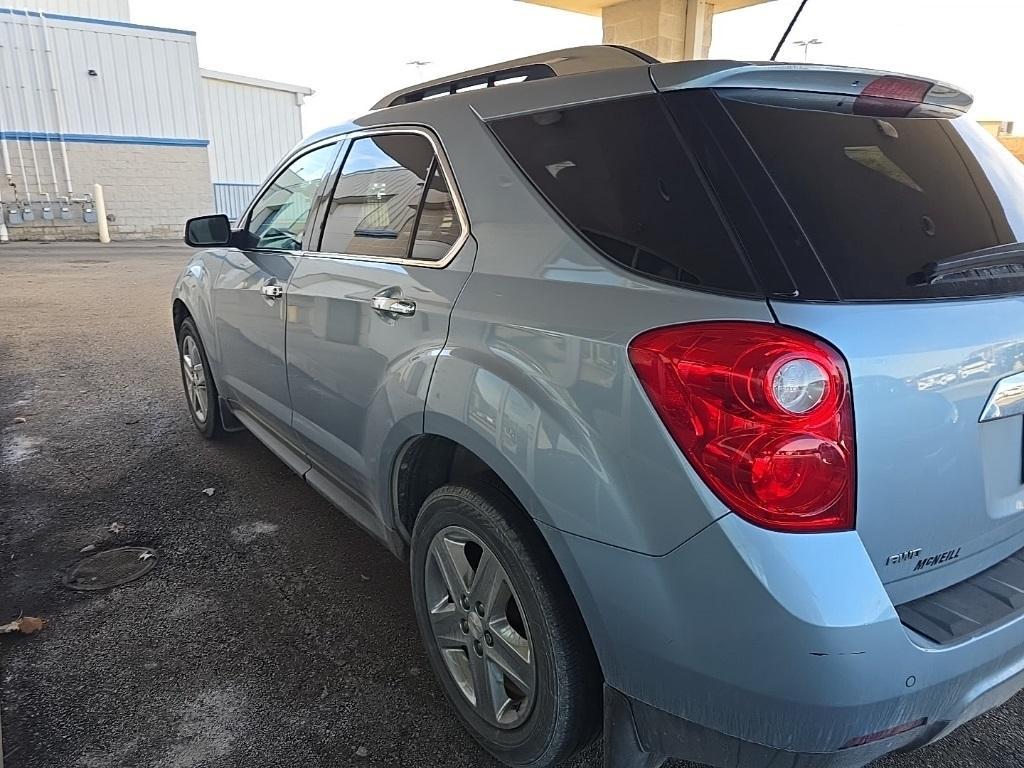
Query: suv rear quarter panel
x,y
535,377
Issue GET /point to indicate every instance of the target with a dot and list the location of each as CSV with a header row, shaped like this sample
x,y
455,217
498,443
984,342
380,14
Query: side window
x,y
391,201
279,216
618,174
439,225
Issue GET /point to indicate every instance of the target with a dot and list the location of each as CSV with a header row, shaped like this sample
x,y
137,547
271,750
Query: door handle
x,y
272,291
393,306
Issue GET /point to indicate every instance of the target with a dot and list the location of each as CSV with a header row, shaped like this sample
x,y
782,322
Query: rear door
x,y
865,200
369,312
249,294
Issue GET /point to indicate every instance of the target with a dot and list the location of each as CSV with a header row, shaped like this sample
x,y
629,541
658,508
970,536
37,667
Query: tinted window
x,y
880,197
382,196
279,216
439,225
618,173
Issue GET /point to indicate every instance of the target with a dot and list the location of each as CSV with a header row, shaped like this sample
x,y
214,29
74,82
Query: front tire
x,y
503,635
200,389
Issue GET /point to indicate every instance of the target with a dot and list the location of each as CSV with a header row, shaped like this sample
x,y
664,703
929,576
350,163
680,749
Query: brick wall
x,y
149,190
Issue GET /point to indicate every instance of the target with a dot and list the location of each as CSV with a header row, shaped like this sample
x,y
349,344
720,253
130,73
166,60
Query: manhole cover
x,y
111,568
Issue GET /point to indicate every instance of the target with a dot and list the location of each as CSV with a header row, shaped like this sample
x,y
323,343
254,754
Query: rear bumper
x,y
745,644
641,736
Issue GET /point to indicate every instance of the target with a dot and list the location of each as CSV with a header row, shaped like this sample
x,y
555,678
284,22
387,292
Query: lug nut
x,y
464,626
480,610
465,602
488,638
478,648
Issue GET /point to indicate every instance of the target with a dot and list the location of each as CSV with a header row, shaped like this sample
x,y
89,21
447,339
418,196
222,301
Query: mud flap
x,y
228,420
622,747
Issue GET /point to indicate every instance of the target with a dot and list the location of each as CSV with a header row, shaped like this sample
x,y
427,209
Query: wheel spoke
x,y
488,580
450,570
511,653
200,401
483,688
447,625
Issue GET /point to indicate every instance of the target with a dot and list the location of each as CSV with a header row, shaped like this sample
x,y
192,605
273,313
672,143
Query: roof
x,y
565,61
255,82
611,60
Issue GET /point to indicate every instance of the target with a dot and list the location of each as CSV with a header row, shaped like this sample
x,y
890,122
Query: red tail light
x,y
763,413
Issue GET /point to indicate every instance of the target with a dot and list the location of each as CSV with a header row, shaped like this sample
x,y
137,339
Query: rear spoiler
x,y
809,78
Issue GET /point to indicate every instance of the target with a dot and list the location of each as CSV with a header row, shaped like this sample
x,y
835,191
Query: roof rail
x,y
568,61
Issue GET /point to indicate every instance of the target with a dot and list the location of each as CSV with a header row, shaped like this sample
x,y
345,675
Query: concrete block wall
x,y
150,190
661,27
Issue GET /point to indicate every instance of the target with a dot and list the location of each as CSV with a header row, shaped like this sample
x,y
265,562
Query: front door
x,y
369,313
250,291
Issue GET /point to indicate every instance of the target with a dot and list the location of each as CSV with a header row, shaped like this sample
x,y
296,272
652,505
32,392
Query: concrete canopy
x,y
669,30
594,7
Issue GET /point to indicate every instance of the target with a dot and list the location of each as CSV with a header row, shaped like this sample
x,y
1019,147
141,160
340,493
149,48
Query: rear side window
x,y
617,172
391,200
881,197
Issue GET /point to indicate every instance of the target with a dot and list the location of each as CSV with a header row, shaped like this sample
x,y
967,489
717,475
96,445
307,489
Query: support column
x,y
670,30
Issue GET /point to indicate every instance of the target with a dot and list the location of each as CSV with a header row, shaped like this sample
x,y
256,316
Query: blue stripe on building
x,y
97,138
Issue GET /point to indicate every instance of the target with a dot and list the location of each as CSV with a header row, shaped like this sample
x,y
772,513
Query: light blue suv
x,y
691,392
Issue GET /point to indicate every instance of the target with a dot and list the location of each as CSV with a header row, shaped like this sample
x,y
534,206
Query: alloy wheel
x,y
479,627
195,378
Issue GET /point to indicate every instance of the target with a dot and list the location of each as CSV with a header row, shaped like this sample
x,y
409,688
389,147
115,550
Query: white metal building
x,y
86,100
243,151
116,10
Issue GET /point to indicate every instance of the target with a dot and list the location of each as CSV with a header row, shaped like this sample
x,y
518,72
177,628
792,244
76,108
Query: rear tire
x,y
527,649
197,379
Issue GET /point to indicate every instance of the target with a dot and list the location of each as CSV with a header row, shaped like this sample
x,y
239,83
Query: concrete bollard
x,y
101,216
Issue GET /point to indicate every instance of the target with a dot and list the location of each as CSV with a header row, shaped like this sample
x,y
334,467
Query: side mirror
x,y
208,231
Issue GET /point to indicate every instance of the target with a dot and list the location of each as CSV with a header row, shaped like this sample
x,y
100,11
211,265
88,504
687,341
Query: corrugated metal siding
x,y
147,81
94,9
250,128
231,199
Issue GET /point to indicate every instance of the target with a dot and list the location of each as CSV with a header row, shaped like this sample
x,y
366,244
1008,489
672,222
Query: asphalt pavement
x,y
272,632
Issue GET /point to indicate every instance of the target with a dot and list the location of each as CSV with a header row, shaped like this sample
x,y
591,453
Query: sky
x,y
352,52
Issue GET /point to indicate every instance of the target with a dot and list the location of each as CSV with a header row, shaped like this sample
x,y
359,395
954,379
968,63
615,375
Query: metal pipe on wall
x,y
5,155
58,103
43,107
9,101
31,137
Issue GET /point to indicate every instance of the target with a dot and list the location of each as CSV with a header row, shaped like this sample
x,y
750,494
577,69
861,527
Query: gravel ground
x,y
272,632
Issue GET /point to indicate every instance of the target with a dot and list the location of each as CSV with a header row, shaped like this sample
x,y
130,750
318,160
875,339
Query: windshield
x,y
879,198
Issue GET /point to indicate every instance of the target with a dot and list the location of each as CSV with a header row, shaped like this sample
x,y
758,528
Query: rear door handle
x,y
272,291
393,306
